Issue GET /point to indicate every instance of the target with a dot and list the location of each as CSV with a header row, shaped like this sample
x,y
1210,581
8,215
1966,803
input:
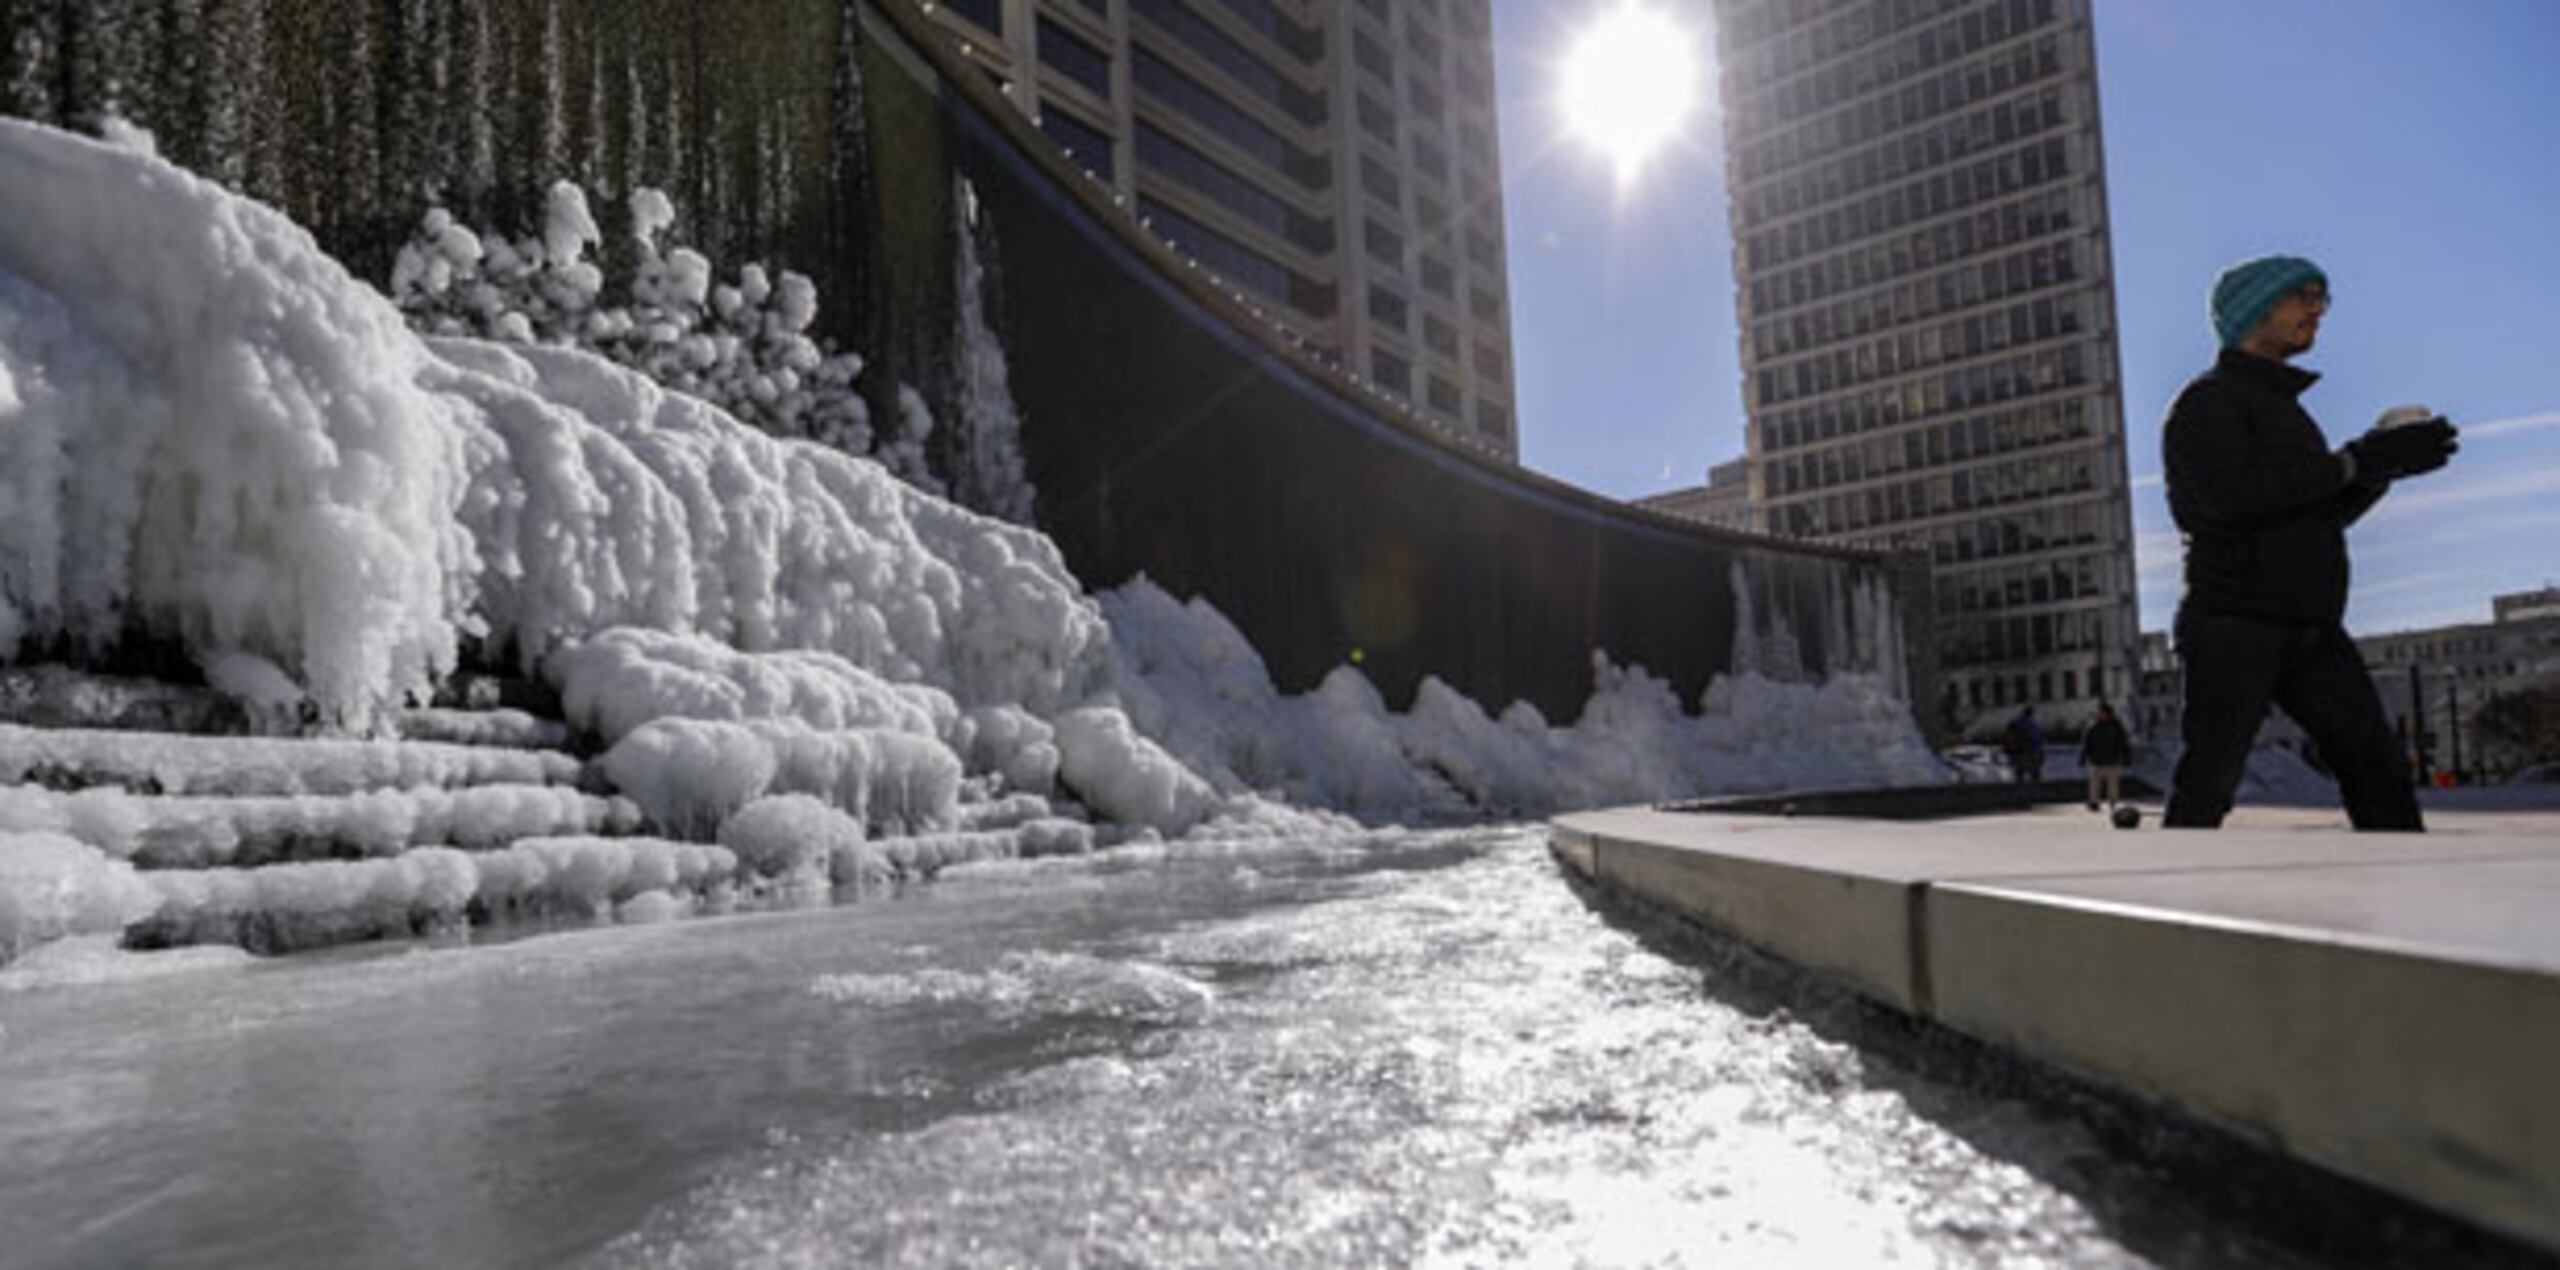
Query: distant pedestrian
x,y
2265,504
2104,750
2023,741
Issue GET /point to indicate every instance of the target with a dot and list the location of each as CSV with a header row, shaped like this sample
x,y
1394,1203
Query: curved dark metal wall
x,y
1170,432
1167,430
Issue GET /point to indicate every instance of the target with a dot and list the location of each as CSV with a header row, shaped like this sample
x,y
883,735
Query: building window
x,y
1391,372
1242,64
1302,42
1423,98
1386,246
1444,396
1089,146
1378,120
1069,55
1372,58
1438,278
1424,44
1188,97
1492,421
1160,151
1430,160
986,15
1442,337
1234,260
1381,183
1387,308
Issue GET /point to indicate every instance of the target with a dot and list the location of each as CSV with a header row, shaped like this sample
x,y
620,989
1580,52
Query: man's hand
x,y
2411,449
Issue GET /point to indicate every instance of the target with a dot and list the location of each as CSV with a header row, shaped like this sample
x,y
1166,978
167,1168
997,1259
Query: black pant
x,y
2236,667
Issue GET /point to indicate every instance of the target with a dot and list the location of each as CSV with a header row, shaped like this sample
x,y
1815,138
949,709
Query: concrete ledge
x,y
2384,1006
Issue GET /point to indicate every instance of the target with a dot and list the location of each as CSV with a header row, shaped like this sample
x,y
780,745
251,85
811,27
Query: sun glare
x,y
1629,82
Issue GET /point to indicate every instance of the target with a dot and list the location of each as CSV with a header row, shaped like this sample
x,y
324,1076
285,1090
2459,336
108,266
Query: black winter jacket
x,y
2106,744
2263,501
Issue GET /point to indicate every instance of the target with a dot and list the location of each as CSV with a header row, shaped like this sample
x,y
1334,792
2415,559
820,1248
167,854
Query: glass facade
x,y
1335,161
1927,314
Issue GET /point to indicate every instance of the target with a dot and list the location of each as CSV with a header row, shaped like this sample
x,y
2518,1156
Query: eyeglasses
x,y
2313,296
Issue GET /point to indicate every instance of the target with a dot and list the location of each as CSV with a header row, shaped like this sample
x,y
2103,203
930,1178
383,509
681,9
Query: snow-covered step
x,y
287,907
197,831
51,695
506,728
172,764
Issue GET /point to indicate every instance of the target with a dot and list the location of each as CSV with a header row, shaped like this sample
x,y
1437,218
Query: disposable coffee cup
x,y
2403,416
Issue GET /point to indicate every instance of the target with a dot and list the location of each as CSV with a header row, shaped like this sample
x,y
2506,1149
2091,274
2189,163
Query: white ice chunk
x,y
1126,776
801,839
52,886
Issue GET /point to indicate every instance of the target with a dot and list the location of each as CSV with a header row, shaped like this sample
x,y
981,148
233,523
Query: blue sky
x,y
2412,149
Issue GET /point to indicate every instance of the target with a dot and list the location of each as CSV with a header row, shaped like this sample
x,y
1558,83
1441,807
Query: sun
x,y
1629,82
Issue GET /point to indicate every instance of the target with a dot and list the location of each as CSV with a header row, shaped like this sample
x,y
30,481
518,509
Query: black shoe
x,y
2093,806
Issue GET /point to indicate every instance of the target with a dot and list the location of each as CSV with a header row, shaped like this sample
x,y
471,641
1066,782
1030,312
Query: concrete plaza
x,y
2385,1006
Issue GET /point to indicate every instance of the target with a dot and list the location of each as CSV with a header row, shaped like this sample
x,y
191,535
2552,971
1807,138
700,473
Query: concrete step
x,y
2385,1006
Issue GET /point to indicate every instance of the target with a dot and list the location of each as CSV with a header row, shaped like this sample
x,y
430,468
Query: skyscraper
x,y
1927,315
1335,161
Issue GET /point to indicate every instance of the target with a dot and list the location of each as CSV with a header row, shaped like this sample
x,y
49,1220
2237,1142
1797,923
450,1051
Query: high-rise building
x,y
1927,317
1334,161
1724,501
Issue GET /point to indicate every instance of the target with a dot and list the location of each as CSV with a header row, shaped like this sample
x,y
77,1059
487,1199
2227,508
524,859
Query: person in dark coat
x,y
2024,743
2264,504
2104,750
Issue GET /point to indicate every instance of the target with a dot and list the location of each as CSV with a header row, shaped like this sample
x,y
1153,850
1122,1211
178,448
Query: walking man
x,y
2024,743
2104,750
2264,504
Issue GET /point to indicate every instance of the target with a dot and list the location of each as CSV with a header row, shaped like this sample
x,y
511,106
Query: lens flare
x,y
1629,83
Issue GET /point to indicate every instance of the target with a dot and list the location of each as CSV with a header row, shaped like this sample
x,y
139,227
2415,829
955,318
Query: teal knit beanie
x,y
2245,291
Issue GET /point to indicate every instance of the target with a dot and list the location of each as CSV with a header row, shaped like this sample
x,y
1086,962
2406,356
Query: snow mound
x,y
803,839
1188,677
602,500
222,438
689,775
214,433
1127,777
625,677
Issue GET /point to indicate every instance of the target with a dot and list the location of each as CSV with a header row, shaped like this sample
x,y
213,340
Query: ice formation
x,y
212,435
743,346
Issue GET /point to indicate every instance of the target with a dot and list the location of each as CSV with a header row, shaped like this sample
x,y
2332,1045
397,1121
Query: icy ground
x,y
1398,1049
781,670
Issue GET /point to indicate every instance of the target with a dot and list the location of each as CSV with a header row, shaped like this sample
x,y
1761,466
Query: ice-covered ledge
x,y
2386,1007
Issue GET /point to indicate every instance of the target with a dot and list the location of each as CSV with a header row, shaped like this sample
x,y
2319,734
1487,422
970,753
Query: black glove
x,y
2387,454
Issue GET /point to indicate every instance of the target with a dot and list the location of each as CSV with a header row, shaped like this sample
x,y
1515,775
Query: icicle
x,y
987,471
